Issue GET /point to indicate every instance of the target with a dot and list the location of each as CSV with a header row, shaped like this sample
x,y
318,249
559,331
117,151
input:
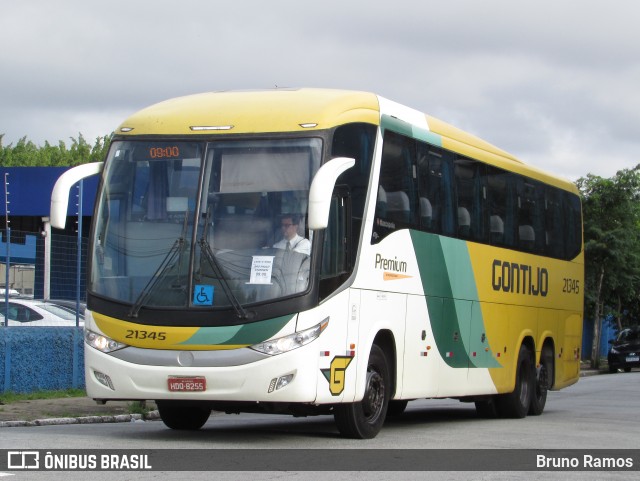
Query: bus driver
x,y
291,240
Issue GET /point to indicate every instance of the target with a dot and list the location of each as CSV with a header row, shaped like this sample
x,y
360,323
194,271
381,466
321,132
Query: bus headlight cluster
x,y
293,341
101,343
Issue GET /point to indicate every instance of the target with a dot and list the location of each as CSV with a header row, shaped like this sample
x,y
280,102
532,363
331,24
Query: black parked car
x,y
624,352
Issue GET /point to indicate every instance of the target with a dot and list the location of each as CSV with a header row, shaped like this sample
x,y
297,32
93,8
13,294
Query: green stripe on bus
x,y
409,130
427,136
246,334
452,300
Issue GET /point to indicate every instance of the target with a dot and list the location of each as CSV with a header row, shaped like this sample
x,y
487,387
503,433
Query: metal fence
x,y
43,267
33,266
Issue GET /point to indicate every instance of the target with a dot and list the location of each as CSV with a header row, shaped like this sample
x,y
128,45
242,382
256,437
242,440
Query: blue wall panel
x,y
608,331
41,358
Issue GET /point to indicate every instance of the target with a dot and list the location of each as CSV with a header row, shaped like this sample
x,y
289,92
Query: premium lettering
x,y
390,264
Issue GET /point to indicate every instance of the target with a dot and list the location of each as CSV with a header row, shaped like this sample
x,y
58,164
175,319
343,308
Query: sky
x,y
554,82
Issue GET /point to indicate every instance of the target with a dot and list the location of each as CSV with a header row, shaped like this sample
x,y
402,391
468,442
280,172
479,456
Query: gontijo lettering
x,y
519,278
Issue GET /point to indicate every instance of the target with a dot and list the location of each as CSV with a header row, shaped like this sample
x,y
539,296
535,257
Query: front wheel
x,y
364,419
396,408
182,417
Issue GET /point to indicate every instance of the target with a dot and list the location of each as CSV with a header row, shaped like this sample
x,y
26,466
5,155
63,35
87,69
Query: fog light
x,y
284,381
104,379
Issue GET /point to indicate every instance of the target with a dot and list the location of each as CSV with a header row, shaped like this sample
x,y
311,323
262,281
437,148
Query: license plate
x,y
633,358
187,384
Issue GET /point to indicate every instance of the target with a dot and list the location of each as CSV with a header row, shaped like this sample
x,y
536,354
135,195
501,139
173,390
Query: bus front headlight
x,y
101,343
291,342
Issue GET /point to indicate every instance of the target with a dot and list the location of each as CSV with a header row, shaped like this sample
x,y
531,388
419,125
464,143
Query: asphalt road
x,y
598,412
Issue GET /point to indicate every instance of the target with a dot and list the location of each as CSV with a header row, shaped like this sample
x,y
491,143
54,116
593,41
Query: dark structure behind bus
x,y
28,204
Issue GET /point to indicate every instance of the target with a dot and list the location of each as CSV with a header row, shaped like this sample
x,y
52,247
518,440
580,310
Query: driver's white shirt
x,y
298,244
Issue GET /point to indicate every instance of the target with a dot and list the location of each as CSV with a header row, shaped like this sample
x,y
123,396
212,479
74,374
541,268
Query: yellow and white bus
x,y
424,263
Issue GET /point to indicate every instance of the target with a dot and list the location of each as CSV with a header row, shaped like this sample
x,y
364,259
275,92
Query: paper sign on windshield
x,y
261,267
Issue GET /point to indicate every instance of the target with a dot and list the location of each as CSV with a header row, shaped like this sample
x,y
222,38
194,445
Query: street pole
x,y
79,257
8,256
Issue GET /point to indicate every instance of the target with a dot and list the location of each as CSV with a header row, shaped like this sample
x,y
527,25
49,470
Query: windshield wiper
x,y
205,249
217,270
174,251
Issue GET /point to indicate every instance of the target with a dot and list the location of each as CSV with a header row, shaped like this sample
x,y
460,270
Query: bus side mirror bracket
x,y
60,193
321,189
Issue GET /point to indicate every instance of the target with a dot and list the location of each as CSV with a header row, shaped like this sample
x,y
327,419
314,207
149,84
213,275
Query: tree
x,y
27,154
611,213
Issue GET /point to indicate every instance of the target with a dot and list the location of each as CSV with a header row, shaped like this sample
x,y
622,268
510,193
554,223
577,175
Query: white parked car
x,y
12,292
33,312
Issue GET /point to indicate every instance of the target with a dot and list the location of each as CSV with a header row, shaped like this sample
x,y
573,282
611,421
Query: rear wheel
x,y
543,382
516,404
364,419
487,408
183,417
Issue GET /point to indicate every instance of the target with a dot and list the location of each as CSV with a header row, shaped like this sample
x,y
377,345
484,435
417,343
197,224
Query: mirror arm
x,y
321,189
62,187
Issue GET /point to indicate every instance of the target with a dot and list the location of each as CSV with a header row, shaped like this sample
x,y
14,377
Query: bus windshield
x,y
204,224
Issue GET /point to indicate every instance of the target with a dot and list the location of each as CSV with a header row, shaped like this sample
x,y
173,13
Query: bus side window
x,y
397,198
496,204
471,194
553,220
429,186
572,225
464,196
530,226
499,204
434,189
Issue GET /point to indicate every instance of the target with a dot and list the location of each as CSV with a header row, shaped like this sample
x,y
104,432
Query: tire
x,y
364,419
487,408
612,369
183,417
627,369
542,383
396,408
516,404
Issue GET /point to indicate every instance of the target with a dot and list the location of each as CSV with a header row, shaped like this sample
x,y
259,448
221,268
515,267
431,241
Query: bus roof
x,y
279,110
306,109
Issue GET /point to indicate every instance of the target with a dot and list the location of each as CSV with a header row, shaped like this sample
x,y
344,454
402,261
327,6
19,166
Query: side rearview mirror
x,y
60,193
321,189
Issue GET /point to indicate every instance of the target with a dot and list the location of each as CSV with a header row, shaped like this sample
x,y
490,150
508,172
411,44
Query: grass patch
x,y
9,397
139,407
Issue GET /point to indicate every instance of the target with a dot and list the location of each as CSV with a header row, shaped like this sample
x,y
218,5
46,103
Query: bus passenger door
x,y
336,267
420,376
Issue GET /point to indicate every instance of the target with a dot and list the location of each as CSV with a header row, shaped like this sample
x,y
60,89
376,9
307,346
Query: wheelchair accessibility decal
x,y
336,374
203,295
